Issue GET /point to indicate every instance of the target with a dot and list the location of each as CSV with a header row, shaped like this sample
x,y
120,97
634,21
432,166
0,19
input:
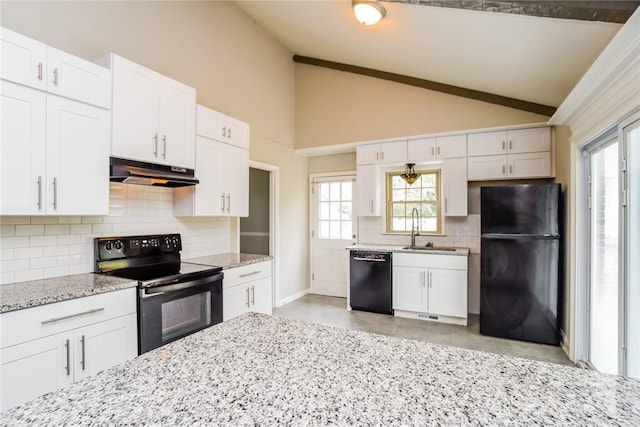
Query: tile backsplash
x,y
36,247
460,232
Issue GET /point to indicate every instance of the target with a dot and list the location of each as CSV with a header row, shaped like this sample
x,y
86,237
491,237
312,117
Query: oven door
x,y
172,310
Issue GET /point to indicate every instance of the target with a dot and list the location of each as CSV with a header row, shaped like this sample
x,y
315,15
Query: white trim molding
x,y
293,297
609,90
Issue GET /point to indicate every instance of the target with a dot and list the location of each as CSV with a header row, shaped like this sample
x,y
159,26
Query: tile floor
x,y
332,311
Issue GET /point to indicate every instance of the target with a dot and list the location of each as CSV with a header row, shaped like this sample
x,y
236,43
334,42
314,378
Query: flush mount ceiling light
x,y
410,175
368,12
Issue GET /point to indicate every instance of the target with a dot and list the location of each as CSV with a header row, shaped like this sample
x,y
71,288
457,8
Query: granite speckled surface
x,y
397,248
229,260
263,370
17,296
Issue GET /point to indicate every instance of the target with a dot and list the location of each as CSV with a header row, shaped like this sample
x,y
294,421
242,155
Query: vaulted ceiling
x,y
526,54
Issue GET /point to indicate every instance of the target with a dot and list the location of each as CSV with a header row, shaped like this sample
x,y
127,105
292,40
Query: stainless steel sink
x,y
430,248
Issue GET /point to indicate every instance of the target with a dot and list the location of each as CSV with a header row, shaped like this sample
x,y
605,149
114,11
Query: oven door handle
x,y
176,285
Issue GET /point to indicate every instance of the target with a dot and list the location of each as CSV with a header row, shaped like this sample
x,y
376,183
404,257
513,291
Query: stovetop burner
x,y
147,259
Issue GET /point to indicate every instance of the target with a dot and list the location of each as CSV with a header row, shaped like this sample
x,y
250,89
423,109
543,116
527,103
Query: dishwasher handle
x,y
369,259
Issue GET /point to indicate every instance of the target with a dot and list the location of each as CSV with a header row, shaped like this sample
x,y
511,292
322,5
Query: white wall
x,y
40,247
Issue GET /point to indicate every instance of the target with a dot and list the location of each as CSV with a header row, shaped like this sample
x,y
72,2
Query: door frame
x,y
312,215
274,230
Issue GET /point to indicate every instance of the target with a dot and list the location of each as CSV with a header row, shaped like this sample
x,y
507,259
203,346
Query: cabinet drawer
x,y
247,273
447,262
37,322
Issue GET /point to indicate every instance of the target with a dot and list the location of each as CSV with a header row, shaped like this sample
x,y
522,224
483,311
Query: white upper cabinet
x,y
513,141
55,131
31,63
217,126
455,187
23,151
222,166
437,148
75,78
153,116
521,153
394,152
368,190
77,158
24,60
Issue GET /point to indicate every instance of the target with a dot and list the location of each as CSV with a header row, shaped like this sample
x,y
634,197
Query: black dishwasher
x,y
370,282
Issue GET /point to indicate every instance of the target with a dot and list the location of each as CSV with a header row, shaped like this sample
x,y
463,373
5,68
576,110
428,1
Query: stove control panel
x,y
108,248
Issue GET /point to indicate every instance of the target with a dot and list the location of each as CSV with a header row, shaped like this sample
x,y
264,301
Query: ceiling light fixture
x,y
368,12
410,175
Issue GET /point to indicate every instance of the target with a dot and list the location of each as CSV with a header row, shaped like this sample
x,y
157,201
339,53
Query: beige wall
x,y
334,107
563,176
236,67
345,162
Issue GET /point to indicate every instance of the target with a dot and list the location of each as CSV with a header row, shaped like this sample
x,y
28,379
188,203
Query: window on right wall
x,y
402,198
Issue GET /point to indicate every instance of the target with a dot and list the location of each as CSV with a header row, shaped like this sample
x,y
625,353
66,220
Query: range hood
x,y
142,173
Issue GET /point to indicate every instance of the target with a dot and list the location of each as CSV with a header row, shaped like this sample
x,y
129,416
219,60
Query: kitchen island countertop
x,y
397,248
263,370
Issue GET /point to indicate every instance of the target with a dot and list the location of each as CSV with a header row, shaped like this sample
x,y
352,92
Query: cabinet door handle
x,y
229,132
423,278
248,297
430,279
372,206
70,316
39,192
68,367
55,193
40,70
503,146
228,203
510,144
55,76
251,274
155,144
164,146
222,203
382,155
377,155
82,360
438,151
445,205
224,131
510,168
253,296
433,151
503,170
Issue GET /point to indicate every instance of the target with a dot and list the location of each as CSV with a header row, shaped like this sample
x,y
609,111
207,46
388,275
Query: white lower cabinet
x,y
64,342
247,288
430,287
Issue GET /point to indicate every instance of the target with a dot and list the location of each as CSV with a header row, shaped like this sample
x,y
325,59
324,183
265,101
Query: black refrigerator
x,y
520,264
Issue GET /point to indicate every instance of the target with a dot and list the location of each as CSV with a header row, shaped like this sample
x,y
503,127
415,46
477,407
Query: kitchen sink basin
x,y
430,248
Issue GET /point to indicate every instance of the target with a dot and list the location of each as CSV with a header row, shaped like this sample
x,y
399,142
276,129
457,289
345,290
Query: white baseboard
x,y
293,297
564,345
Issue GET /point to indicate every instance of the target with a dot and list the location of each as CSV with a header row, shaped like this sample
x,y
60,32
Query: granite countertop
x,y
263,370
16,296
397,248
229,260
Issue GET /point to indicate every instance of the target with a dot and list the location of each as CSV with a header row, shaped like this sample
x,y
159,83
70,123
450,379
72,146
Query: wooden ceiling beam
x,y
491,98
605,11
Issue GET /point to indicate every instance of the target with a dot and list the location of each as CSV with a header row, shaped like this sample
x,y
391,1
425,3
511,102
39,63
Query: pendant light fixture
x,y
410,175
368,12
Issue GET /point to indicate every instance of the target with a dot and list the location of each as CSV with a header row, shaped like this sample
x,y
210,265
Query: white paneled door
x,y
333,229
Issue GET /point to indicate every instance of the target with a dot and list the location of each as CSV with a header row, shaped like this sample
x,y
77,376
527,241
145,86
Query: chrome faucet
x,y
415,228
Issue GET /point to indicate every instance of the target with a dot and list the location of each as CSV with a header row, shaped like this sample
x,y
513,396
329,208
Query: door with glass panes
x,y
332,231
